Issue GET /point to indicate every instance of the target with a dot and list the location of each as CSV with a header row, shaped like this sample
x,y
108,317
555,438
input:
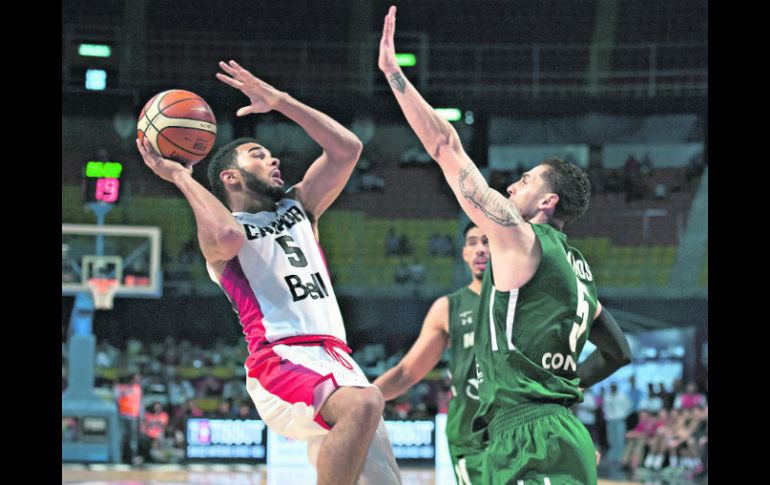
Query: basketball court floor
x,y
247,475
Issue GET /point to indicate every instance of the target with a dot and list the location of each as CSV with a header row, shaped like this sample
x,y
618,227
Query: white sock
x,y
648,461
674,460
658,463
697,462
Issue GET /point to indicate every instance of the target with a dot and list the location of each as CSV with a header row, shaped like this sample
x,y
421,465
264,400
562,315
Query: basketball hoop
x,y
103,291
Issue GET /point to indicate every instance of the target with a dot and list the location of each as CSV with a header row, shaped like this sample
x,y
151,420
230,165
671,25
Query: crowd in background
x,y
156,387
661,429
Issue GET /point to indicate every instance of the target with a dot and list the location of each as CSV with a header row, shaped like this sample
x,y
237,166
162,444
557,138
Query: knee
x,y
369,405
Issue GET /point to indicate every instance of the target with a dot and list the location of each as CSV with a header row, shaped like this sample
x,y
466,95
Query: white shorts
x,y
290,383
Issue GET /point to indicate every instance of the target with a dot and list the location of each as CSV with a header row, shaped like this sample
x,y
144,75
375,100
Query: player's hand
x,y
163,167
263,96
387,62
598,457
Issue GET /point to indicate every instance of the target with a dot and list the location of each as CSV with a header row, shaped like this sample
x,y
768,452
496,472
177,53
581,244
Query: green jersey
x,y
463,304
527,340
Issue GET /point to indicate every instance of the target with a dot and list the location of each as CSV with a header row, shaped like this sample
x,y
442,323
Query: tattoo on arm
x,y
496,207
397,81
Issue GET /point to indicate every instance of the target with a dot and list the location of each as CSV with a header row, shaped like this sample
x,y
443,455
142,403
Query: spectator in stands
x,y
635,395
595,171
208,386
439,245
128,395
656,444
499,180
636,441
169,447
632,179
369,182
224,410
680,443
392,243
601,423
690,398
414,156
652,402
700,441
234,390
152,427
179,390
106,354
417,272
186,411
436,245
246,411
586,413
667,393
401,274
617,406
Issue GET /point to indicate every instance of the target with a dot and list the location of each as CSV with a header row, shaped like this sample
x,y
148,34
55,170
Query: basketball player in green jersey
x,y
538,305
449,323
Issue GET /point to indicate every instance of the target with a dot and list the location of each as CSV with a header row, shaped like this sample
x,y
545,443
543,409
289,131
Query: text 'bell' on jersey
x,y
528,340
463,304
279,283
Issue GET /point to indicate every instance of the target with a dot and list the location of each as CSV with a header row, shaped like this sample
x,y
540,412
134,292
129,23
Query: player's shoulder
x,y
440,304
460,293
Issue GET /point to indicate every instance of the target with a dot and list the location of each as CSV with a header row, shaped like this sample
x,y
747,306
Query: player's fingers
x,y
228,69
238,67
244,111
230,81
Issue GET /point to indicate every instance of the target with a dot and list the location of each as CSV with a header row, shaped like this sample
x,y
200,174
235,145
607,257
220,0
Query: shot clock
x,y
101,182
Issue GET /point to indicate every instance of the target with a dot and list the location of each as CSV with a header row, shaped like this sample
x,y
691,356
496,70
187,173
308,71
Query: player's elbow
x,y
446,145
621,360
625,353
349,149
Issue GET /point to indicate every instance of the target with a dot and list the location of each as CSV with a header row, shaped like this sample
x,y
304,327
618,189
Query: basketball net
x,y
103,291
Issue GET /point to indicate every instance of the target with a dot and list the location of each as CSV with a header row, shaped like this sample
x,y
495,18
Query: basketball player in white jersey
x,y
266,257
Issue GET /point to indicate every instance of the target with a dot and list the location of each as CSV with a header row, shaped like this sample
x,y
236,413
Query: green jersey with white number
x,y
463,304
527,340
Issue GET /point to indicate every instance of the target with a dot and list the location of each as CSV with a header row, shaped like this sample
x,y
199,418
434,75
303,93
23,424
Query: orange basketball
x,y
179,124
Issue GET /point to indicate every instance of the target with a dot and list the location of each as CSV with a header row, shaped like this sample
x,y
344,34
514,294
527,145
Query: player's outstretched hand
x,y
163,167
387,62
263,96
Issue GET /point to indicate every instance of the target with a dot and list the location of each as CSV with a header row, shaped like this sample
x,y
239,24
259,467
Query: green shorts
x,y
543,444
467,466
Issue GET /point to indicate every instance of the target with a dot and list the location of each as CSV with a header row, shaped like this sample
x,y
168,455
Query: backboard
x,y
129,254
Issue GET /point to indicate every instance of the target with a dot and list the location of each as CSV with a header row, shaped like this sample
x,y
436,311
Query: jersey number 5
x,y
293,253
582,314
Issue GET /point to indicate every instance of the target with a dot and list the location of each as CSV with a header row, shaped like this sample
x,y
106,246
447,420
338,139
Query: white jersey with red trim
x,y
279,283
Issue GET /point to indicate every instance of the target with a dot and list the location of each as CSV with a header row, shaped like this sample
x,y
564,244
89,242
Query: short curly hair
x,y
571,184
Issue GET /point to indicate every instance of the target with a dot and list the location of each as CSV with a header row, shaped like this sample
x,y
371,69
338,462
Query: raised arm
x,y
497,216
328,174
423,356
219,234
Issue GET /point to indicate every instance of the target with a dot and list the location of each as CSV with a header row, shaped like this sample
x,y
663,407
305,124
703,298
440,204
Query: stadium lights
x,y
96,79
406,59
449,114
94,50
